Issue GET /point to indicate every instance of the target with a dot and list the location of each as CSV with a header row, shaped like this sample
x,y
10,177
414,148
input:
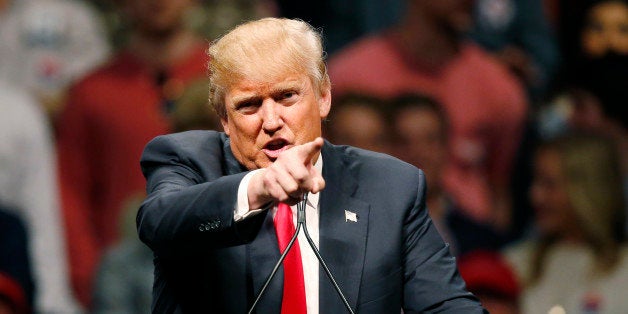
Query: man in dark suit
x,y
218,202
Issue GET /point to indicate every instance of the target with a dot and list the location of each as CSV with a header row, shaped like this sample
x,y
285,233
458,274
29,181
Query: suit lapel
x,y
342,240
232,165
262,253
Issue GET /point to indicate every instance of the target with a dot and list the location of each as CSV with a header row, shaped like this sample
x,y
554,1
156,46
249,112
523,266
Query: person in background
x,y
28,185
601,61
485,104
491,278
594,92
604,31
577,261
360,121
110,115
45,45
519,34
604,60
124,278
420,131
603,20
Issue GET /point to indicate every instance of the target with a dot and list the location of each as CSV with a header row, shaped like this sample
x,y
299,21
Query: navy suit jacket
x,y
391,258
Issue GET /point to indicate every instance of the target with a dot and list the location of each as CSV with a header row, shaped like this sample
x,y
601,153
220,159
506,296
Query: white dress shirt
x,y
309,260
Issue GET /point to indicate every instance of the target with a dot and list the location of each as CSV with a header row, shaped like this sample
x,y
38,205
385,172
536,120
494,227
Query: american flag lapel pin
x,y
350,216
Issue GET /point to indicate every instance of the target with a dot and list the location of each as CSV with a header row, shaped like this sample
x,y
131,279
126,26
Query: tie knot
x,y
284,206
283,217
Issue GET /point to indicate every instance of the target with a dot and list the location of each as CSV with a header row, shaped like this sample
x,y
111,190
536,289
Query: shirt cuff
x,y
242,209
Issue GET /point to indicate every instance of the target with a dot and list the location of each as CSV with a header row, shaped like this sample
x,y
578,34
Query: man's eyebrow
x,y
277,89
292,85
244,99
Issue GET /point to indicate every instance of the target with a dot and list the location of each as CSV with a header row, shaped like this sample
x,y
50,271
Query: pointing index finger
x,y
311,149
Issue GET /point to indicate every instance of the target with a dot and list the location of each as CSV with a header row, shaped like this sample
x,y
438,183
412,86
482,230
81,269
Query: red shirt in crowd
x,y
110,116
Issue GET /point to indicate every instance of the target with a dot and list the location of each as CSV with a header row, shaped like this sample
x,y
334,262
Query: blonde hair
x,y
265,49
594,184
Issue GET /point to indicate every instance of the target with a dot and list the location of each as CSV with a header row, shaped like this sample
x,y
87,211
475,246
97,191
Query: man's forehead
x,y
250,87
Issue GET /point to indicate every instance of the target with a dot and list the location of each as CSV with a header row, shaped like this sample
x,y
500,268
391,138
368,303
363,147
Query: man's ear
x,y
225,125
324,102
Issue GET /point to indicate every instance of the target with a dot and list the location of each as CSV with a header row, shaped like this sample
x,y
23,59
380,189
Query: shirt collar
x,y
312,199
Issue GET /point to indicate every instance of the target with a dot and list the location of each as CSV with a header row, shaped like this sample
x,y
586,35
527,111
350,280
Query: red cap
x,y
12,292
488,272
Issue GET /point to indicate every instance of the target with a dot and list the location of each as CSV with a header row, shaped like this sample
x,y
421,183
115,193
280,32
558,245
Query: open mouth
x,y
273,148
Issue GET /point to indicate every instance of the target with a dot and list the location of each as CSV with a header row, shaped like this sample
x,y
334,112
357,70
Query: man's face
x,y
606,29
266,118
554,212
360,126
422,141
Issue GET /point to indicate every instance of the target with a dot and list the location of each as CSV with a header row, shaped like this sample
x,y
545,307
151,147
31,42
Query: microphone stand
x,y
301,222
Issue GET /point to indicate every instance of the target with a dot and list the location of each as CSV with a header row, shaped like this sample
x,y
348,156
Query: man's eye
x,y
287,98
243,105
247,106
288,95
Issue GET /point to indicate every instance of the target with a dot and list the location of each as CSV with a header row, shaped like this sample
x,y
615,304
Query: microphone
x,y
301,222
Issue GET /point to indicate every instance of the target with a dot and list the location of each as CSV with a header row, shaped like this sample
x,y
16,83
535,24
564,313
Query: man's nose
x,y
271,116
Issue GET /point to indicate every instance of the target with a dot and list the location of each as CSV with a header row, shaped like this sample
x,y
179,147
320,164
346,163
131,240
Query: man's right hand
x,y
289,177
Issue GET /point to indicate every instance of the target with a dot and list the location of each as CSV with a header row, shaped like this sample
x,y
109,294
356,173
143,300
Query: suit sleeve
x,y
185,212
432,283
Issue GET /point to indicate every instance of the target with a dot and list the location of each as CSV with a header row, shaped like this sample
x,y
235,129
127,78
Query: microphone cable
x,y
301,222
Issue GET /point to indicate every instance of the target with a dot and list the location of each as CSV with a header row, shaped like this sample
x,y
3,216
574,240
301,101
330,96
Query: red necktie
x,y
293,301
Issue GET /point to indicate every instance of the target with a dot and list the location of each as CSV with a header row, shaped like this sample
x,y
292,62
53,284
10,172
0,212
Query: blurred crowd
x,y
512,108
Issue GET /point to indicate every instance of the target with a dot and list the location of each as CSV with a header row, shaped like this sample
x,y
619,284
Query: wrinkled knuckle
x,y
301,176
292,188
267,182
279,194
